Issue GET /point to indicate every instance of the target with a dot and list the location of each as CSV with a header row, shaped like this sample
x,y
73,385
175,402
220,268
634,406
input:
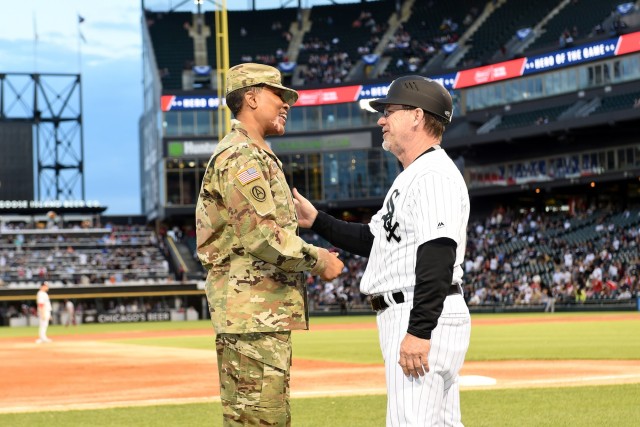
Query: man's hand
x,y
414,356
328,266
307,213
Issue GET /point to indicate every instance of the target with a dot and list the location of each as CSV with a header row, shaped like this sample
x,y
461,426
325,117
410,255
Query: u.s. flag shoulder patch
x,y
247,175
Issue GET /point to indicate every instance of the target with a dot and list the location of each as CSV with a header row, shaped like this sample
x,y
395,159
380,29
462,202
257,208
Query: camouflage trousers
x,y
254,378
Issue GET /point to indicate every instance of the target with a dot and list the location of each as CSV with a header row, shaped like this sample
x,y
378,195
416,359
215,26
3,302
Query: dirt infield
x,y
78,372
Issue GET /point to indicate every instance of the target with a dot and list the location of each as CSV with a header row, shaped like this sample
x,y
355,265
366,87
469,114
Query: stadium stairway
x,y
501,25
173,48
182,256
516,46
590,13
297,34
334,25
361,70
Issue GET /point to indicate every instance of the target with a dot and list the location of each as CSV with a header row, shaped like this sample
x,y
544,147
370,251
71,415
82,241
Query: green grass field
x,y
545,407
615,405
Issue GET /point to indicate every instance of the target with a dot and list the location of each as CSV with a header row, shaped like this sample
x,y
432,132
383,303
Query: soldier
x,y
247,240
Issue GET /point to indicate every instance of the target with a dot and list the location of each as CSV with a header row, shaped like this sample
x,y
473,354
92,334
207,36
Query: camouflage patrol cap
x,y
250,74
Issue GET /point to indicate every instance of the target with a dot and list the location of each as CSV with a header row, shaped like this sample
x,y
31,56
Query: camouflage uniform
x,y
247,240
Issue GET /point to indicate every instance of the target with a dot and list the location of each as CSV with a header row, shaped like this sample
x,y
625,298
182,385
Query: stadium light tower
x,y
222,65
221,25
50,105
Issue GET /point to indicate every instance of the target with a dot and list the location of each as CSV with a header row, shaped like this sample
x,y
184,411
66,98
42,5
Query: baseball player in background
x,y
247,240
415,244
70,311
44,312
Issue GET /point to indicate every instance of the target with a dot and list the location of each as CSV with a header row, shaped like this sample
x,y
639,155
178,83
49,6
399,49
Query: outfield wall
x,y
187,301
133,302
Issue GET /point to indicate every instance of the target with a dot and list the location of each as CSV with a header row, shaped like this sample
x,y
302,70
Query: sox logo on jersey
x,y
388,217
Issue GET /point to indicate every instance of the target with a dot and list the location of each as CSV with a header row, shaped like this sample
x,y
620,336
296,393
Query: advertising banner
x,y
320,143
189,148
156,316
490,73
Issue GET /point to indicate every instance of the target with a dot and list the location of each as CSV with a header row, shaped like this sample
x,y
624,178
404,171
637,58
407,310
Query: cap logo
x,y
411,85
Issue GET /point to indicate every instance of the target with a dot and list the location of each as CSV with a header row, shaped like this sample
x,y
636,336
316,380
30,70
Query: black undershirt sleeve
x,y
349,236
434,272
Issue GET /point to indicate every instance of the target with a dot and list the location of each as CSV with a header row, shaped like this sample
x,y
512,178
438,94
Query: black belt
x,y
378,303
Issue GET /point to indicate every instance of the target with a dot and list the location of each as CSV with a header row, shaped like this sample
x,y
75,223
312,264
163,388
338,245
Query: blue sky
x,y
110,64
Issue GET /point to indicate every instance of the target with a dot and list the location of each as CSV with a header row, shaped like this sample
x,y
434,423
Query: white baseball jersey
x,y
44,313
428,200
42,299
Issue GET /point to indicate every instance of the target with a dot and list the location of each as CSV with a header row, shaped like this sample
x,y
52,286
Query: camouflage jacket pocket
x,y
255,369
271,348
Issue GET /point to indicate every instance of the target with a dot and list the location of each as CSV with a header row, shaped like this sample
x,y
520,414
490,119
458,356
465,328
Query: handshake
x,y
328,266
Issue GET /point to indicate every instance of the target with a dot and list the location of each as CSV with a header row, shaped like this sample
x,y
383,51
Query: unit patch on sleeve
x,y
258,194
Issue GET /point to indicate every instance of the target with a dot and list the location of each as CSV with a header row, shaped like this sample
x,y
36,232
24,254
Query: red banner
x,y
490,73
165,102
628,43
334,95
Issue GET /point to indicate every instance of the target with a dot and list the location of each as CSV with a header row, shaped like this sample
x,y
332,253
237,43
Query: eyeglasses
x,y
386,113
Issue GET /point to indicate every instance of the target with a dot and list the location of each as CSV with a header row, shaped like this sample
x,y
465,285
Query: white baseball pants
x,y
432,400
42,328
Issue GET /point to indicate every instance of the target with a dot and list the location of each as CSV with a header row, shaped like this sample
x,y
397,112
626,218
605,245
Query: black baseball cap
x,y
420,92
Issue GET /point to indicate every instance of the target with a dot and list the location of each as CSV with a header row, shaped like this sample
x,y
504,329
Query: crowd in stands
x,y
520,259
327,68
526,259
326,63
79,253
377,30
568,37
410,53
325,60
367,20
270,58
410,48
328,60
413,45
